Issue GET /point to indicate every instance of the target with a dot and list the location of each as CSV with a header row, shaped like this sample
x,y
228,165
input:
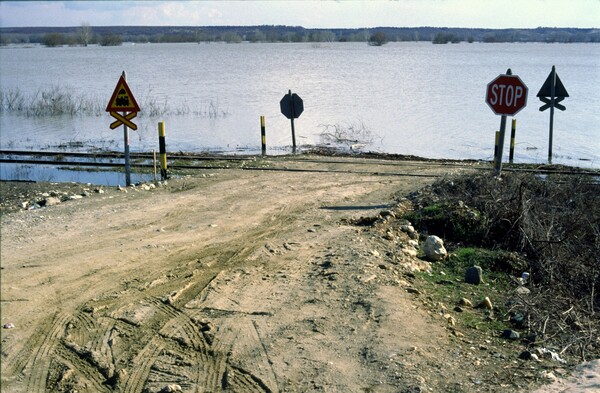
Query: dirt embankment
x,y
246,281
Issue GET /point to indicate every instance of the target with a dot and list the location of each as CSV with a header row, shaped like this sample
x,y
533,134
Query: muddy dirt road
x,y
233,280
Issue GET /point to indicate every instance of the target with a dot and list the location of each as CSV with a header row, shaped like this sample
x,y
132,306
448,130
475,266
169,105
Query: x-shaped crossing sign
x,y
123,119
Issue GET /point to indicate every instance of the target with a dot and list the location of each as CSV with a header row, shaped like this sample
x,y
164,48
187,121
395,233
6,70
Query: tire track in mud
x,y
141,366
38,366
177,348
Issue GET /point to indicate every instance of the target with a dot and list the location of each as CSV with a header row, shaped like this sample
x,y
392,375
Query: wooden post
x,y
513,132
162,150
126,139
263,135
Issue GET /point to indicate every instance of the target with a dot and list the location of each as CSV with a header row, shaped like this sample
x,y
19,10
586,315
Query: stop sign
x,y
506,95
291,105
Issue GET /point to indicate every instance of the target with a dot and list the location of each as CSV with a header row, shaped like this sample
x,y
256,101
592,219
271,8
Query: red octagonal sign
x,y
506,95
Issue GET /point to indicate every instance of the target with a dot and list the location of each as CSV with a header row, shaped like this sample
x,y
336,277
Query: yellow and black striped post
x,y
263,135
513,132
162,150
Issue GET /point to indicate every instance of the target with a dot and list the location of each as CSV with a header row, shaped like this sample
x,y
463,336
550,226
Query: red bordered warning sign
x,y
122,99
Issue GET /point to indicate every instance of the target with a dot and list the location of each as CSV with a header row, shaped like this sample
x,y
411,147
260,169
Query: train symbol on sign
x,y
122,99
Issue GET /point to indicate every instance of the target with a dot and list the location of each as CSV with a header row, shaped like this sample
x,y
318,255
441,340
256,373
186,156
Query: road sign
x,y
552,92
123,120
122,99
291,105
506,95
121,102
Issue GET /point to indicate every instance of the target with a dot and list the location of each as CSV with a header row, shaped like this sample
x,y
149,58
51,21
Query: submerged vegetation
x,y
60,101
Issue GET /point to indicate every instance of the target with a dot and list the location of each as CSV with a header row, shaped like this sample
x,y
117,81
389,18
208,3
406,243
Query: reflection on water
x,y
47,173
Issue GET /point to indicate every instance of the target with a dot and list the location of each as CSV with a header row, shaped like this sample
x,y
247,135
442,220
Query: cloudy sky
x,y
306,13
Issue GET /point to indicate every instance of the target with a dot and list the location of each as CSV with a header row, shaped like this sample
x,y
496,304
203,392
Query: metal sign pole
x,y
552,99
498,166
126,139
292,120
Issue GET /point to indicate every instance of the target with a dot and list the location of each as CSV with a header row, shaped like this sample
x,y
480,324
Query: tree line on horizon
x,y
115,35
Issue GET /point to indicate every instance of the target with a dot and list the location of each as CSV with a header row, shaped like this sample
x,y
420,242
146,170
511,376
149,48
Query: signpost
x,y
554,89
506,95
122,100
292,107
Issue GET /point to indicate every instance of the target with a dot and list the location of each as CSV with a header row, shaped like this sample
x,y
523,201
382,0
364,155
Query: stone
x,y
519,320
510,334
407,228
411,252
523,291
465,302
413,291
531,338
525,355
548,375
474,275
171,388
486,303
434,249
410,231
51,201
387,213
450,319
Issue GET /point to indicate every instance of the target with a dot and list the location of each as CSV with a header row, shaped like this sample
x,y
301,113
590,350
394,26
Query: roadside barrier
x,y
162,150
263,135
513,132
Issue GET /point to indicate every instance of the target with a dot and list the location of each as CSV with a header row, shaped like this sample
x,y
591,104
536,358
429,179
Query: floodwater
x,y
406,98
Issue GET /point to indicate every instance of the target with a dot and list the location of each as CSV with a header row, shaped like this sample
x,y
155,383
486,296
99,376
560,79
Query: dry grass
x,y
553,222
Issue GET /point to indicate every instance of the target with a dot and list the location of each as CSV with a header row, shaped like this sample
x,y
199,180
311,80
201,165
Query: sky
x,y
306,13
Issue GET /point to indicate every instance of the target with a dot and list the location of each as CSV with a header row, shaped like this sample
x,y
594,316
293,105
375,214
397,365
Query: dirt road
x,y
245,281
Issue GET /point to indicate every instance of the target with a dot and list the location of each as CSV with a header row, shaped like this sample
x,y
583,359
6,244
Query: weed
x,y
551,227
352,136
59,101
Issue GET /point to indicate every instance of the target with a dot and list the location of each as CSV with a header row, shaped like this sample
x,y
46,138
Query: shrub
x,y
555,220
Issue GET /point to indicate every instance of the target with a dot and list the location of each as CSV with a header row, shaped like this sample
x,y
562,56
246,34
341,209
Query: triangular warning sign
x,y
559,88
122,99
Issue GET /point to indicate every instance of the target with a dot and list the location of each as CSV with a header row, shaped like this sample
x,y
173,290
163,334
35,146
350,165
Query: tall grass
x,y
61,101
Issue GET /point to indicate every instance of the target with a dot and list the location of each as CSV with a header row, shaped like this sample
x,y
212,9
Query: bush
x,y
551,220
54,39
111,39
378,39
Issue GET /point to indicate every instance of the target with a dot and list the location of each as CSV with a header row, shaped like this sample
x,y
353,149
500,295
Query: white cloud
x,y
309,13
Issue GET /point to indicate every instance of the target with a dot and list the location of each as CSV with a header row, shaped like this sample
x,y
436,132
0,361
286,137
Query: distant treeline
x,y
116,35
